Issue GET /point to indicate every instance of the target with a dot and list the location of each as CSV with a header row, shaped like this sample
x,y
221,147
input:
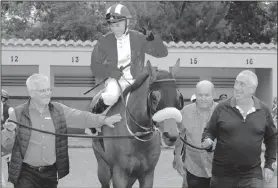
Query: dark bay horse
x,y
125,160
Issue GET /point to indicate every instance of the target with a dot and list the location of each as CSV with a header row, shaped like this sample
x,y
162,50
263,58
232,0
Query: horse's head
x,y
165,102
155,97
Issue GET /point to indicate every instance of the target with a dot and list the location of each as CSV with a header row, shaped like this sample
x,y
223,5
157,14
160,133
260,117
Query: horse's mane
x,y
137,84
160,74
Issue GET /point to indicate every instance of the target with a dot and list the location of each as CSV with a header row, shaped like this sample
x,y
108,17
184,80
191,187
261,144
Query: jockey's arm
x,y
98,57
82,119
155,48
99,68
8,137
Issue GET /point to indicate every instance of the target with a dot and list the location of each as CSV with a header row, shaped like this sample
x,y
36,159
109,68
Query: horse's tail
x,y
97,147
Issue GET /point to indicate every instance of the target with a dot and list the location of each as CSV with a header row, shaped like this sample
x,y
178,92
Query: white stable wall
x,y
200,60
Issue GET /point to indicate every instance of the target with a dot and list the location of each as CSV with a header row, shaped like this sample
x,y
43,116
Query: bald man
x,y
195,117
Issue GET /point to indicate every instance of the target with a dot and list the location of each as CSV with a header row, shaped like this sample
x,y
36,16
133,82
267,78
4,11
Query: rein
x,y
138,134
150,130
153,128
208,149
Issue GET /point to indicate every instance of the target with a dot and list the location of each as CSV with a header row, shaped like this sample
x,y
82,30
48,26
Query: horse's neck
x,y
137,104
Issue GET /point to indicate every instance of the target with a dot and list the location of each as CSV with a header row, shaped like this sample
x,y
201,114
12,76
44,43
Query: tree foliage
x,y
203,21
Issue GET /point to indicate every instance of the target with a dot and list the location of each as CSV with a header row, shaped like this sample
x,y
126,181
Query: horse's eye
x,y
156,96
153,97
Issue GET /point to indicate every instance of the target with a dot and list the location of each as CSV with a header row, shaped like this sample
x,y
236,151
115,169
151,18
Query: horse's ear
x,y
176,68
149,68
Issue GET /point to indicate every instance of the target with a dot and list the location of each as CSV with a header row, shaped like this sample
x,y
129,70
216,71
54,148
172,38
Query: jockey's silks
x,y
105,53
124,55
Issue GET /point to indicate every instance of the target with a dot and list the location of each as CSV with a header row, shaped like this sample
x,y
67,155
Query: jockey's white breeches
x,y
112,91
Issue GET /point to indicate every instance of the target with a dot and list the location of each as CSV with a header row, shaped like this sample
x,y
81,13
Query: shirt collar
x,y
32,106
125,34
208,110
255,99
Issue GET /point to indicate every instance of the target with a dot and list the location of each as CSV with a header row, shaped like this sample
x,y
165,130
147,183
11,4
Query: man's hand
x,y
178,165
9,129
109,121
207,142
268,175
10,126
149,34
115,73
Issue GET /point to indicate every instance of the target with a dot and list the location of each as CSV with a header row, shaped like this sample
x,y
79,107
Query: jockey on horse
x,y
119,48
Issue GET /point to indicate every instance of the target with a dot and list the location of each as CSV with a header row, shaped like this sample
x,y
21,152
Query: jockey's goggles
x,y
110,18
42,91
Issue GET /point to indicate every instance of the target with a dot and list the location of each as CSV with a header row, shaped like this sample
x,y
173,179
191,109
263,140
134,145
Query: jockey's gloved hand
x,y
210,149
115,73
149,35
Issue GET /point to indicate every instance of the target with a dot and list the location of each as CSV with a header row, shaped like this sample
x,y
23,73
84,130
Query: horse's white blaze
x,y
167,113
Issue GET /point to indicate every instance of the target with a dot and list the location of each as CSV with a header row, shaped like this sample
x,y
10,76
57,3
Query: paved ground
x,y
83,170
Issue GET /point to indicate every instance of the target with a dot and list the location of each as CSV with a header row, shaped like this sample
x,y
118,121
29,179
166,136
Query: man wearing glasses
x,y
39,159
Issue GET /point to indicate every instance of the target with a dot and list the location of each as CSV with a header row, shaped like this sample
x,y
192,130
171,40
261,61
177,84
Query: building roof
x,y
79,43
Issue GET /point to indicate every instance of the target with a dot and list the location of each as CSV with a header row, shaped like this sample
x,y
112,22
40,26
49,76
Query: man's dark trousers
x,y
197,182
235,182
33,178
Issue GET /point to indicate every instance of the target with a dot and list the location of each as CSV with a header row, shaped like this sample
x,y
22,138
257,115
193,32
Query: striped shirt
x,y
124,55
197,162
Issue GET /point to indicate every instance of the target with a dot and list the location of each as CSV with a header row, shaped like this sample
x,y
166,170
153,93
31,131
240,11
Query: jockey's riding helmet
x,y
117,13
4,94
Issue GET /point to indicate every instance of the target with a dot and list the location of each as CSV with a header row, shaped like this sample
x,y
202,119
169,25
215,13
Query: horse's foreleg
x,y
121,179
146,180
103,171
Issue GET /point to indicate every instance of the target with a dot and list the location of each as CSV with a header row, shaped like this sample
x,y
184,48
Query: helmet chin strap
x,y
126,29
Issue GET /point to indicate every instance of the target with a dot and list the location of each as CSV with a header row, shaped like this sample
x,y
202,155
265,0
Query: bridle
x,y
146,130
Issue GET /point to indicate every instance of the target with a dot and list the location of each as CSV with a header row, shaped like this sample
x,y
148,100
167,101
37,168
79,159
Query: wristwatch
x,y
9,130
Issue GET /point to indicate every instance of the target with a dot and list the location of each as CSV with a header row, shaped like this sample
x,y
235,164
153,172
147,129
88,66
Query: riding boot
x,y
8,163
99,107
